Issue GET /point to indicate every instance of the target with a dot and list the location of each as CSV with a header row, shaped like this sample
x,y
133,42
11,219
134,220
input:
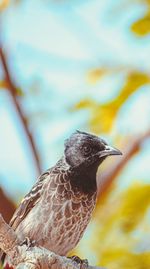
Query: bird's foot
x,y
29,243
83,263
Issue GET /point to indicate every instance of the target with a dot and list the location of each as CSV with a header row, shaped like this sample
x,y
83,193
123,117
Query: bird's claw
x,y
29,243
83,263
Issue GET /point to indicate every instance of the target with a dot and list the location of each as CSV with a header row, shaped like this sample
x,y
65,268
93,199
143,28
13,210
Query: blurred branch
x,y
13,92
7,207
23,256
106,178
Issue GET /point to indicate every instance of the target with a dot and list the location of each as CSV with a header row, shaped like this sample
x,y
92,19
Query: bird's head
x,y
87,150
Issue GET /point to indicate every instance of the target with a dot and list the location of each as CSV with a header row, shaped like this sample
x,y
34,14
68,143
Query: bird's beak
x,y
108,151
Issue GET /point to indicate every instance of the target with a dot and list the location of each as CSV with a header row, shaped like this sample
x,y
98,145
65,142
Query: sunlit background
x,y
84,64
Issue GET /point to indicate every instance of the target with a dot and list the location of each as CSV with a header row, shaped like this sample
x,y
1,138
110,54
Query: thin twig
x,y
7,207
13,92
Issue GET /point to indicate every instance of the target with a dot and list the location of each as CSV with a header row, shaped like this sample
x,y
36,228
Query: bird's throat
x,y
84,181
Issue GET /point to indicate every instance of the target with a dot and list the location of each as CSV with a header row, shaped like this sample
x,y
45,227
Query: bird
x,y
57,210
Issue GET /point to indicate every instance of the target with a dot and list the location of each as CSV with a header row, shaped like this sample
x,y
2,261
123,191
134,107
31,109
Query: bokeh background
x,y
80,64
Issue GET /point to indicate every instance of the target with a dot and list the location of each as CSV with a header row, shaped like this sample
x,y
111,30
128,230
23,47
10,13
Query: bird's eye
x,y
87,150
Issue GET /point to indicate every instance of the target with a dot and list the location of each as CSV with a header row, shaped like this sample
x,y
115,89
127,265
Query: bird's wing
x,y
29,201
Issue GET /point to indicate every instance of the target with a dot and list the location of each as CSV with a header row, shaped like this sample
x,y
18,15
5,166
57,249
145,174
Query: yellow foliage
x,y
103,116
135,203
85,103
134,81
121,258
4,4
116,219
95,74
142,26
3,84
124,215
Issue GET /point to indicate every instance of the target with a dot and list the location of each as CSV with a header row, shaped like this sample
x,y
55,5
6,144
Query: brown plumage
x,y
57,210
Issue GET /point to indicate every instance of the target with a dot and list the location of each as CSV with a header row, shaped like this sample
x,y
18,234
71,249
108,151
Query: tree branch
x,y
7,207
108,176
13,93
23,257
